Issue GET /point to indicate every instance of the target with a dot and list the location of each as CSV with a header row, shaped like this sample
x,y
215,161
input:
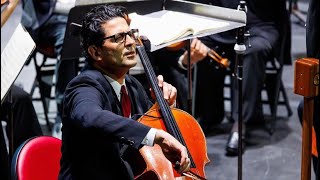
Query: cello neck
x,y
163,105
165,110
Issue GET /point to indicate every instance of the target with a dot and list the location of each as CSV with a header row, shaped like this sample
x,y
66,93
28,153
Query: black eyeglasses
x,y
121,37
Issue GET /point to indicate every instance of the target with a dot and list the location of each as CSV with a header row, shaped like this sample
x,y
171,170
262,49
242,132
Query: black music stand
x,y
240,49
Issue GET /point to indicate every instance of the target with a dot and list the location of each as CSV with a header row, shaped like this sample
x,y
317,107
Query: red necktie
x,y
125,102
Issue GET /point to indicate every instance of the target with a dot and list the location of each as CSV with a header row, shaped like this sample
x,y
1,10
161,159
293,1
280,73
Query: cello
x,y
181,125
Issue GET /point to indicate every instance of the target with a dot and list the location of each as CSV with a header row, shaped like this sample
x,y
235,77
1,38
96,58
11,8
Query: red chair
x,y
37,158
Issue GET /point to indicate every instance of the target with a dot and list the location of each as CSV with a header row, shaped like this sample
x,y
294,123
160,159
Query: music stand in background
x,y
235,19
71,47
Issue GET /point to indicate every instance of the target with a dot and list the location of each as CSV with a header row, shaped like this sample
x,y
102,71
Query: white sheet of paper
x,y
164,26
13,57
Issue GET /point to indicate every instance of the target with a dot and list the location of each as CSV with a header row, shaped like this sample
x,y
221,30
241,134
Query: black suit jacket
x,y
94,131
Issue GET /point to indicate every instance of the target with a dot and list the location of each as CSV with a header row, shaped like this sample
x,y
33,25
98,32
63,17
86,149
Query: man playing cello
x,y
96,112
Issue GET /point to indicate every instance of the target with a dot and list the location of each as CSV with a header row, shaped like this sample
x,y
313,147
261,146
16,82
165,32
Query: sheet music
x,y
167,27
13,57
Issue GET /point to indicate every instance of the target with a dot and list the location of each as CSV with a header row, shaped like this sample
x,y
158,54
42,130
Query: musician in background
x,y
46,21
25,124
264,26
172,63
96,124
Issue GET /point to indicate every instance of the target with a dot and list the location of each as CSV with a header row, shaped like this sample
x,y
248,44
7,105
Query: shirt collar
x,y
115,85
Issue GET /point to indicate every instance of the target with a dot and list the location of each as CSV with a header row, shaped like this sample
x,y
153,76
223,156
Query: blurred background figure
x,y
267,23
267,28
46,22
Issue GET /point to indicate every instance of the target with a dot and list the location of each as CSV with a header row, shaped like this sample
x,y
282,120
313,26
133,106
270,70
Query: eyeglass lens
x,y
121,37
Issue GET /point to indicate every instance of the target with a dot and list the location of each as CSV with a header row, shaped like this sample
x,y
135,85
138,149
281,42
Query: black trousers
x,y
263,40
210,78
209,100
24,123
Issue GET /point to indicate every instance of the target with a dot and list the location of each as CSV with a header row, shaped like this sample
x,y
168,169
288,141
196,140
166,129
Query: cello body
x,y
157,165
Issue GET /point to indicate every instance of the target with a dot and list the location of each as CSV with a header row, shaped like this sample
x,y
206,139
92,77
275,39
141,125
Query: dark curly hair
x,y
91,31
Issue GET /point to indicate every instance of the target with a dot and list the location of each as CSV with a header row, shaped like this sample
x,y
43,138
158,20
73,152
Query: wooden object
x,y
306,83
306,77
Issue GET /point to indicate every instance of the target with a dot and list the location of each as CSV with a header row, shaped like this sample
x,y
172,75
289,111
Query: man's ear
x,y
94,52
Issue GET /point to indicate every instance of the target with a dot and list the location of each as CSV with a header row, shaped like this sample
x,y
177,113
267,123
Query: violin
x,y
152,164
223,62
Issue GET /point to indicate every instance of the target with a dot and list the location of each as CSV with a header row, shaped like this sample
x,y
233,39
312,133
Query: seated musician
x,y
96,124
46,22
172,64
266,23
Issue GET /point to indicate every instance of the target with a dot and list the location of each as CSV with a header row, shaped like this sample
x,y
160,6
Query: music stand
x,y
71,47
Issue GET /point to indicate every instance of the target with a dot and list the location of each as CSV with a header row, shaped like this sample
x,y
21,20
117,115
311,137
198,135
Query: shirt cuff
x,y
149,139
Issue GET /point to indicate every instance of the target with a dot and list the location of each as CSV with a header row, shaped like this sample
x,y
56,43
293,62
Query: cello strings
x,y
171,124
166,113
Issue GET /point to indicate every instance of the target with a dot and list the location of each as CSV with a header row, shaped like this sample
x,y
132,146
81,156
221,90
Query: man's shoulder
x,y
88,76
